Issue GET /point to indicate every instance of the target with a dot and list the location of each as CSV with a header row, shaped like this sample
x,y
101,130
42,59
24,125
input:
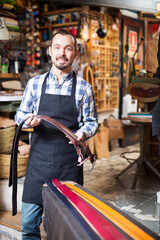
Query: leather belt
x,y
82,150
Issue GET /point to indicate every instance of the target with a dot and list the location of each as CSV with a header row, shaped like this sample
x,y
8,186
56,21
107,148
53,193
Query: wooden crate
x,y
116,129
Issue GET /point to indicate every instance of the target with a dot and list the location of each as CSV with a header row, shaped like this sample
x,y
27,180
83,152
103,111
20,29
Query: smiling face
x,y
62,52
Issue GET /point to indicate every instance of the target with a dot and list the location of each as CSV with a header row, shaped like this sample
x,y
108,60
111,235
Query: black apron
x,y
51,156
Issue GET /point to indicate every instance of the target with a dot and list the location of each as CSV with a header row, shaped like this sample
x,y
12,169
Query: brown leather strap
x,y
82,150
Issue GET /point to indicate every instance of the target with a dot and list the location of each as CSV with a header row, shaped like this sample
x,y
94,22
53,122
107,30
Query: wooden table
x,y
143,159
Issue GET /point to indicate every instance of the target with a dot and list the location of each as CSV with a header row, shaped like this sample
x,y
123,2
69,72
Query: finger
x,y
78,138
38,121
79,135
28,121
29,118
34,122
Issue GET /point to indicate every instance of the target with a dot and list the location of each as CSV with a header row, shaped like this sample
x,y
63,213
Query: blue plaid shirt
x,y
84,96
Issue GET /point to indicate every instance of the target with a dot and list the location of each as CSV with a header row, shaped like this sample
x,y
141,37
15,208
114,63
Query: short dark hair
x,y
65,32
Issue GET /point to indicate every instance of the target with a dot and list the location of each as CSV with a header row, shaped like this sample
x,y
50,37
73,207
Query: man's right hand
x,y
32,121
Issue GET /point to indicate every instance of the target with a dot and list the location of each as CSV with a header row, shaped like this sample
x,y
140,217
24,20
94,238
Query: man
x,y
61,95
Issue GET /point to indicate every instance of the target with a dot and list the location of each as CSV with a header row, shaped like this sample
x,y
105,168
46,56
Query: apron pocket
x,y
65,156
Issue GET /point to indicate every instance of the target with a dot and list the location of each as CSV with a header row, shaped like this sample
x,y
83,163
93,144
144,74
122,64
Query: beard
x,y
62,66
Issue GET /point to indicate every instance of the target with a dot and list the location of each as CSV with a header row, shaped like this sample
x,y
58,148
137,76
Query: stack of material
x,y
11,23
14,85
13,27
84,215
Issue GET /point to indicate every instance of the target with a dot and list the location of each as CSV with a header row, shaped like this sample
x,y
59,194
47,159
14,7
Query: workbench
x,y
9,102
73,212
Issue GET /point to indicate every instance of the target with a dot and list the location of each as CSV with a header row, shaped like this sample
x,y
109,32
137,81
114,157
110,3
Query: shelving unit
x,y
105,62
59,12
33,36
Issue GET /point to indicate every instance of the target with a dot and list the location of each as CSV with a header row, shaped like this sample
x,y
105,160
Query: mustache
x,y
64,58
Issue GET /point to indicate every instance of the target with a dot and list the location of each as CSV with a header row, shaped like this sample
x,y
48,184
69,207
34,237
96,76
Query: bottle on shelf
x,y
45,35
50,34
45,7
67,18
4,64
16,65
0,63
74,31
59,19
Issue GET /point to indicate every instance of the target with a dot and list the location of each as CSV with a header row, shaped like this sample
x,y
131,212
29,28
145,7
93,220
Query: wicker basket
x,y
5,165
6,139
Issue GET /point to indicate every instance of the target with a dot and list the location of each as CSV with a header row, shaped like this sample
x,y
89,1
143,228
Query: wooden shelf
x,y
62,11
104,46
10,75
69,24
105,110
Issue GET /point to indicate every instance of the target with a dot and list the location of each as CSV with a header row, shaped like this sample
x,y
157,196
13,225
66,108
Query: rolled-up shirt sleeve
x,y
26,105
89,113
31,99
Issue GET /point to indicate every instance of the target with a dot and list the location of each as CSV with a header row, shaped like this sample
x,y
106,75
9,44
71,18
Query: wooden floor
x,y
14,222
10,221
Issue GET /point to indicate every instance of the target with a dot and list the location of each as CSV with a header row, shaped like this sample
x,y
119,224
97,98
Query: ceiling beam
x,y
135,5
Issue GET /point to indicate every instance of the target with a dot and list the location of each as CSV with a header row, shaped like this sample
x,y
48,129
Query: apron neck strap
x,y
45,82
73,84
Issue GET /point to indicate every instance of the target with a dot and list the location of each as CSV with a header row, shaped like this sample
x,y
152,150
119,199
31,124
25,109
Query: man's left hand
x,y
80,136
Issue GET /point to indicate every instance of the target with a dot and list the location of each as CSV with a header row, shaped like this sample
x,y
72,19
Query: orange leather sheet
x,y
113,214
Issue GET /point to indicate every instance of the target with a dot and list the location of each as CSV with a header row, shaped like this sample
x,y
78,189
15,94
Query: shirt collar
x,y
67,77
